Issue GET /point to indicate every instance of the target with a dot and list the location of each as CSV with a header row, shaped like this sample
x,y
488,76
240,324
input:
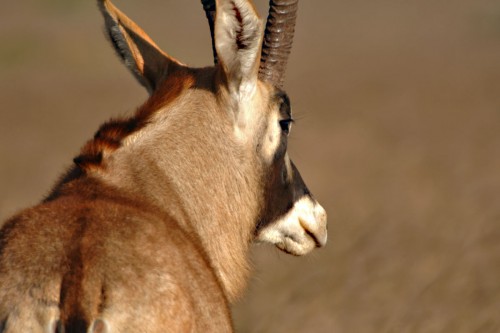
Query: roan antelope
x,y
150,230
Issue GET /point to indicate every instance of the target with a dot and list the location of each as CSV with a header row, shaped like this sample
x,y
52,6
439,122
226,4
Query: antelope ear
x,y
141,55
238,39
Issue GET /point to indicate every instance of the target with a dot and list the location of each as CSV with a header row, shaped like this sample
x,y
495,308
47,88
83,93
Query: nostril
x,y
313,236
319,235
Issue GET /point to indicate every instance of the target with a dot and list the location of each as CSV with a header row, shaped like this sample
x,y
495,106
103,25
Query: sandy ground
x,y
398,135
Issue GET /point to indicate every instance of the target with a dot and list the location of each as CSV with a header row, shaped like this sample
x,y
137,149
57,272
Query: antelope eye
x,y
285,125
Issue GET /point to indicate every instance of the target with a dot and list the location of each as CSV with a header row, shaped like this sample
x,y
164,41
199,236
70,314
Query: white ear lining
x,y
238,38
147,62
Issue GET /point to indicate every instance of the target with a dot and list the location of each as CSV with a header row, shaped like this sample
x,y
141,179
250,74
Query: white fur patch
x,y
238,37
299,231
272,137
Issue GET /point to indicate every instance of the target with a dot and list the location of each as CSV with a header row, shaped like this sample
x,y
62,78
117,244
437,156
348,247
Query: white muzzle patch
x,y
299,231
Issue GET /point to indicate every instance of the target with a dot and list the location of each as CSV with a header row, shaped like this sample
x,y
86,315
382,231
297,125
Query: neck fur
x,y
198,178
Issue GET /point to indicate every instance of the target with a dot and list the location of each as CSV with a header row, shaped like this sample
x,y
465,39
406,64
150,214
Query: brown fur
x,y
62,260
150,230
110,135
96,251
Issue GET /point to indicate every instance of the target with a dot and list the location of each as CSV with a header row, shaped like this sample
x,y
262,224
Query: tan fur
x,y
93,253
150,230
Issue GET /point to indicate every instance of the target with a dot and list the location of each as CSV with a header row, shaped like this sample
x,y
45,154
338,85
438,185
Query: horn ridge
x,y
209,7
278,39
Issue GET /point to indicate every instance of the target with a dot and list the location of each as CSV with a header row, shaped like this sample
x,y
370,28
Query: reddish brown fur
x,y
73,273
80,217
111,134
150,230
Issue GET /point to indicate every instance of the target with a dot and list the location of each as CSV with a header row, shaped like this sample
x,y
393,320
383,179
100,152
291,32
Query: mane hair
x,y
111,135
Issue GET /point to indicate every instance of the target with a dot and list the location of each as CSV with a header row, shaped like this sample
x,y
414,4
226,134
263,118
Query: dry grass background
x,y
398,136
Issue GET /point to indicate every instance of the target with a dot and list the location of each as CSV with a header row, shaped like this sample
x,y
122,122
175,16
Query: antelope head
x,y
210,145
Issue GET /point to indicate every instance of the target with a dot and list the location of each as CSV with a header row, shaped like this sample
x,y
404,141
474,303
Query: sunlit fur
x,y
150,230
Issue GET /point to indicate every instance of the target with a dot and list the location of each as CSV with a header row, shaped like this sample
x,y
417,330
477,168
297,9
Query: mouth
x,y
297,246
300,231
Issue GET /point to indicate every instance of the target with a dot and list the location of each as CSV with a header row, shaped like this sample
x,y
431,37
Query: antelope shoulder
x,y
90,255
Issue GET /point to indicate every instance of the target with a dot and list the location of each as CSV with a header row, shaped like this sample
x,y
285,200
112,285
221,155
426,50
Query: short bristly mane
x,y
112,134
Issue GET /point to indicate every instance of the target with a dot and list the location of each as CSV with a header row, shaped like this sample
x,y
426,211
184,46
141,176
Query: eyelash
x,y
285,125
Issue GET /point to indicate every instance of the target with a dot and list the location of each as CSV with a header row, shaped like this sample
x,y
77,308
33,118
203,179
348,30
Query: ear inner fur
x,y
238,36
147,62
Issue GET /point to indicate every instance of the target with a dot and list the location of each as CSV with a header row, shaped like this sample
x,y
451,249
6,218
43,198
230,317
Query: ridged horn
x,y
209,7
278,39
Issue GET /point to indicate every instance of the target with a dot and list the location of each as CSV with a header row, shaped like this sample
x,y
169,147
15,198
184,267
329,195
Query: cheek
x,y
287,171
284,176
278,193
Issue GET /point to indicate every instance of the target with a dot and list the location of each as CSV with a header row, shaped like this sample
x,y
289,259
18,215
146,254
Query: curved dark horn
x,y
278,39
209,7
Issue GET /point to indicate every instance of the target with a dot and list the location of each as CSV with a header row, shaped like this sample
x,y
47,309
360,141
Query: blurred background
x,y
398,136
